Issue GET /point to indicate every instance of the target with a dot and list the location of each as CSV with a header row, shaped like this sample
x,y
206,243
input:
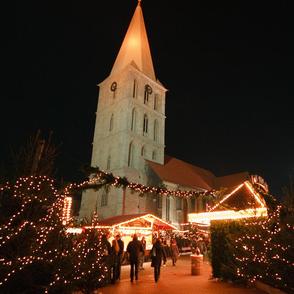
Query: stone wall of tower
x,y
117,108
116,128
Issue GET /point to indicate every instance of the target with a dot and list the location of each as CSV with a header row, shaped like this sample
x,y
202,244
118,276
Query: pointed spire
x,y
135,47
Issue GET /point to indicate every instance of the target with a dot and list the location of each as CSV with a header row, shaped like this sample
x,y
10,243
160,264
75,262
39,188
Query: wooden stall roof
x,y
120,220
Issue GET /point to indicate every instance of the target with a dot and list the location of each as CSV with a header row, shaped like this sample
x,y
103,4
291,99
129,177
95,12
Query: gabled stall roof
x,y
241,197
121,220
239,202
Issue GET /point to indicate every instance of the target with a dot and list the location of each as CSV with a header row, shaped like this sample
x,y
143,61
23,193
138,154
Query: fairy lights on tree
x,y
36,253
265,252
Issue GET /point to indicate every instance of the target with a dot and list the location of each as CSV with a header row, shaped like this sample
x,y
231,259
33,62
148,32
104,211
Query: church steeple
x,y
135,47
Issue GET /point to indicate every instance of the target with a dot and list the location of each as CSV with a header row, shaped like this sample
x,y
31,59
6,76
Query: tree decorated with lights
x,y
265,251
90,270
32,239
36,253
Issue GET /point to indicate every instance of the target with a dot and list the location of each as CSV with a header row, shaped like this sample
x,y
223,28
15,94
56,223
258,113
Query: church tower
x,y
130,123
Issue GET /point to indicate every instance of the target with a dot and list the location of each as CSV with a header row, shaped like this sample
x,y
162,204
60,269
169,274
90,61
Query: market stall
x,y
144,224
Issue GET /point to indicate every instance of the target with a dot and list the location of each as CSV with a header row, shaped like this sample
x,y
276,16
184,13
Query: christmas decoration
x,y
36,252
101,178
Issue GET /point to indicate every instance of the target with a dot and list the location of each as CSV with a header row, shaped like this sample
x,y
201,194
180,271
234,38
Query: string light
x,y
37,193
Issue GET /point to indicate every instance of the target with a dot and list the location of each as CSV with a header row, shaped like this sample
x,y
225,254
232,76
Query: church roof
x,y
232,180
185,174
135,47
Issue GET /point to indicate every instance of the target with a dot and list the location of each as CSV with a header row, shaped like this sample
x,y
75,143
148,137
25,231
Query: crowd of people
x,y
136,254
162,249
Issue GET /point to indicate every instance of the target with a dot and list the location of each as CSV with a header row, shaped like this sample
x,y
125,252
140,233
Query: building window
x,y
179,203
145,125
193,202
156,97
135,86
108,162
133,122
147,93
159,201
104,198
143,151
154,155
131,155
111,123
155,131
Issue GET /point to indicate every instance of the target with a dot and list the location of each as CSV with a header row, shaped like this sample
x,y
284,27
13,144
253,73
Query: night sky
x,y
227,65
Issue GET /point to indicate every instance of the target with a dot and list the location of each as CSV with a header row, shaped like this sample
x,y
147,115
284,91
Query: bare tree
x,y
37,157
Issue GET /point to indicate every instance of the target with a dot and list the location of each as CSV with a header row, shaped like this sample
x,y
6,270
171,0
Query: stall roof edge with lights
x,y
242,201
141,220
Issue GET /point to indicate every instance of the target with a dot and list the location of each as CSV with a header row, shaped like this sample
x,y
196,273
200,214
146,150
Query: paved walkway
x,y
174,279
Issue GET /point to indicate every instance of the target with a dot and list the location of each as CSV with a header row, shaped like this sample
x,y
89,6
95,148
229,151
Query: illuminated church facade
x,y
129,140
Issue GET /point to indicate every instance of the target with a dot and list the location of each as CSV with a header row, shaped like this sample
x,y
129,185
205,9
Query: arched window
x,y
135,86
145,125
111,123
104,198
155,131
156,98
143,151
133,122
159,201
147,93
108,162
131,155
179,203
193,202
154,155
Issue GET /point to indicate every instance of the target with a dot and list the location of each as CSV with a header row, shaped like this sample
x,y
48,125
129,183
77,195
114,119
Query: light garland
x,y
102,178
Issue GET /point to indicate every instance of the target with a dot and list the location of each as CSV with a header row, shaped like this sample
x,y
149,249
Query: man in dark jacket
x,y
134,248
156,257
120,254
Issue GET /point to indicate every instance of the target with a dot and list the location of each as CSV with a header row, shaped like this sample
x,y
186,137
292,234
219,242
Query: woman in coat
x,y
174,251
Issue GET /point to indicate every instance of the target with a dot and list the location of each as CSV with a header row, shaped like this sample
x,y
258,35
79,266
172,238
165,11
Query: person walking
x,y
114,261
174,251
134,248
165,249
120,254
142,254
156,258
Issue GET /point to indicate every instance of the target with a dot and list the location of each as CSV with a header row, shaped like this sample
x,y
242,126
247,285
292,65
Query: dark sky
x,y
228,66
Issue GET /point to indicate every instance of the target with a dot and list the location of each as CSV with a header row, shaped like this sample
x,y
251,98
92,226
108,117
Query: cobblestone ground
x,y
174,279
